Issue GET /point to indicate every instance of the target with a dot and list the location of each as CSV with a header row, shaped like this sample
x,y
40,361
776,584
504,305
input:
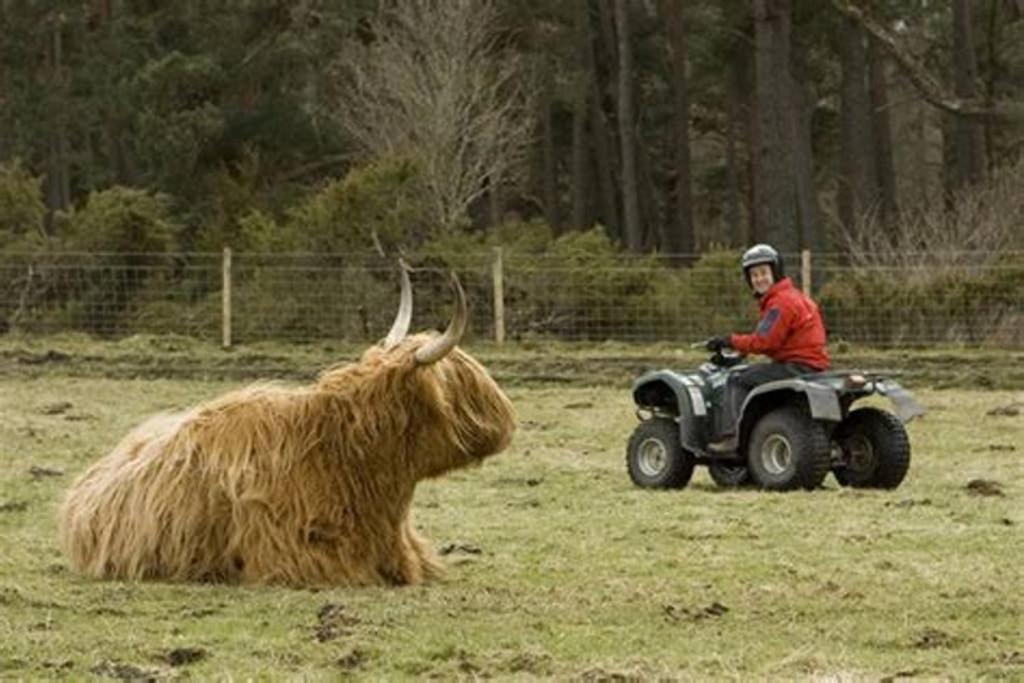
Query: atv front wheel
x,y
788,450
876,450
654,457
729,476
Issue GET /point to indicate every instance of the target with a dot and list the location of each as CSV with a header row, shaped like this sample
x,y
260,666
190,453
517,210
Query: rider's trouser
x,y
743,382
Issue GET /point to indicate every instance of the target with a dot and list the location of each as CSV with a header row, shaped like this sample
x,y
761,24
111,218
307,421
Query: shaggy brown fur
x,y
296,486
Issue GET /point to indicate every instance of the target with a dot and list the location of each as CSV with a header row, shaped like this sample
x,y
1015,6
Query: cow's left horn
x,y
400,328
436,349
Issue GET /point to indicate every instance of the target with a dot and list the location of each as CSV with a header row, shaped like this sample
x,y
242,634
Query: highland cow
x,y
303,486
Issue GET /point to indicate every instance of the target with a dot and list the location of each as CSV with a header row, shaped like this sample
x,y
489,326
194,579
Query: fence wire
x,y
905,299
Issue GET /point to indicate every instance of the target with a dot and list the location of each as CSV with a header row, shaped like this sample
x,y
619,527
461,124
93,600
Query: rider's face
x,y
761,278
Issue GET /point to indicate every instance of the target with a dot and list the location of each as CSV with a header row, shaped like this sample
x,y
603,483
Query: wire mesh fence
x,y
970,298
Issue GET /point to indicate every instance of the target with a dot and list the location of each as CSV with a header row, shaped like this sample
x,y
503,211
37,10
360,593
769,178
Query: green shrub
x,y
950,305
22,209
378,198
122,220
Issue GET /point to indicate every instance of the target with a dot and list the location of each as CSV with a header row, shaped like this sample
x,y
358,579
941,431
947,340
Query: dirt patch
x,y
355,659
674,613
996,448
56,408
1011,410
984,487
909,503
333,622
528,663
571,365
50,356
597,674
124,672
39,472
462,548
180,656
932,638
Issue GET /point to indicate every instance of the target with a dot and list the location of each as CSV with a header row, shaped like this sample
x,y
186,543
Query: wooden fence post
x,y
498,276
805,271
225,299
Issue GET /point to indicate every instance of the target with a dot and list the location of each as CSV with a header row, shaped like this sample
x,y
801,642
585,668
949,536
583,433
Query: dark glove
x,y
716,344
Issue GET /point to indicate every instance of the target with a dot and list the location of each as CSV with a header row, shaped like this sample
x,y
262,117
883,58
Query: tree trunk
x,y
734,232
746,90
679,234
651,220
549,180
776,200
857,181
969,136
58,183
603,136
582,213
881,132
809,230
627,134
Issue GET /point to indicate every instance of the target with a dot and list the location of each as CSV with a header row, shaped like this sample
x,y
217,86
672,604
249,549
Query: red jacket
x,y
790,329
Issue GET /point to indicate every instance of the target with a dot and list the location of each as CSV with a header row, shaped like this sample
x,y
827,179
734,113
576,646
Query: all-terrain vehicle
x,y
789,433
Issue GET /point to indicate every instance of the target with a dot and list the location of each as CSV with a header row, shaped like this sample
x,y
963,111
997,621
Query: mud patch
x,y
909,503
900,675
932,638
180,656
528,663
333,622
597,674
996,448
56,408
354,659
984,487
39,472
50,356
461,548
124,672
1010,410
675,614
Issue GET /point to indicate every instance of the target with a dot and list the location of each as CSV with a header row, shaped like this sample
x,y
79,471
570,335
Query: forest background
x,y
886,133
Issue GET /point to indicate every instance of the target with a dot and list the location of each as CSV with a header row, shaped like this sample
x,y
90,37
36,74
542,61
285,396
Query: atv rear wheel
x,y
729,476
654,457
788,450
875,447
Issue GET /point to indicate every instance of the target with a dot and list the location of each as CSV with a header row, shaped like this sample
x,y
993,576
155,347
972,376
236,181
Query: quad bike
x,y
788,435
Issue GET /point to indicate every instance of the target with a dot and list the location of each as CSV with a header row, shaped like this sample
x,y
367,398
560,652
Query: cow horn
x,y
436,349
400,327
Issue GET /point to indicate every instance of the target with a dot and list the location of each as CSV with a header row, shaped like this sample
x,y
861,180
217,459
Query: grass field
x,y
557,566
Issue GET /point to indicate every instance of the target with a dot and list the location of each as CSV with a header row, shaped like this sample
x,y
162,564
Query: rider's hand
x,y
716,344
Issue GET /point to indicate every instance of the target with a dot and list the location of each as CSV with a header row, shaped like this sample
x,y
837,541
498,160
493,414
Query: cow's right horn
x,y
436,349
400,328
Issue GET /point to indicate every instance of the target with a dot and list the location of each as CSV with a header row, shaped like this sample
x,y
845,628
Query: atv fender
x,y
821,400
680,395
903,402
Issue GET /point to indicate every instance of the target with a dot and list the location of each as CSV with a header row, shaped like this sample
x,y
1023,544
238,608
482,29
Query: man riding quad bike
x,y
789,433
782,424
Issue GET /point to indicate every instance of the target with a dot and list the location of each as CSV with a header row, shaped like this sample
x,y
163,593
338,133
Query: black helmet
x,y
762,253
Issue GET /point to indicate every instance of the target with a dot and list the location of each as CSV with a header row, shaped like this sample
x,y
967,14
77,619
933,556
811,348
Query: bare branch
x,y
926,84
434,86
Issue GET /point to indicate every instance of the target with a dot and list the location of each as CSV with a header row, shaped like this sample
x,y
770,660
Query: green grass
x,y
561,568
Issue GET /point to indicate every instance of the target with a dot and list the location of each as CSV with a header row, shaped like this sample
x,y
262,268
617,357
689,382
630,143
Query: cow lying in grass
x,y
298,486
